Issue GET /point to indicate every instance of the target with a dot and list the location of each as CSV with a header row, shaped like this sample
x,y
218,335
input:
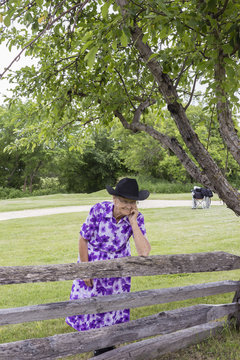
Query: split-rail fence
x,y
157,334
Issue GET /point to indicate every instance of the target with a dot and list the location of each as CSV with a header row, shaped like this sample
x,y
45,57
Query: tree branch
x,y
67,58
169,143
183,69
75,20
220,12
65,67
28,7
73,121
125,88
192,93
138,112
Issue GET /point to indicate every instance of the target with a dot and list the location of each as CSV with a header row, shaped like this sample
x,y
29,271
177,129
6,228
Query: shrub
x,y
162,186
48,186
11,193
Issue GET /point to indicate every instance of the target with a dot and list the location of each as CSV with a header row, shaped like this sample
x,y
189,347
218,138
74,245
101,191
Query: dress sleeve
x,y
89,226
140,221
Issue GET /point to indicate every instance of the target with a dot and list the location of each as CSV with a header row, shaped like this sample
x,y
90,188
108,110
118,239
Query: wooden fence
x,y
172,330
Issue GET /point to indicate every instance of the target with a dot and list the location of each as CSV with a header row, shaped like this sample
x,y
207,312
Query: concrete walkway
x,y
147,204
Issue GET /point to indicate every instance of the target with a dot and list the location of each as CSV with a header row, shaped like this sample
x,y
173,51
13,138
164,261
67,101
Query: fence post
x,y
234,319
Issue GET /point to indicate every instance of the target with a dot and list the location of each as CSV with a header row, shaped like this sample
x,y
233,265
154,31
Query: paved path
x,y
147,204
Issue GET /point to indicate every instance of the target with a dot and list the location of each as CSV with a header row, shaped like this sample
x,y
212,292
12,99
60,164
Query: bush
x,y
11,193
48,186
162,186
50,191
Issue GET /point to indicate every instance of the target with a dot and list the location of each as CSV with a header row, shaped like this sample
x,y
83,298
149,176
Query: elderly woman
x,y
105,235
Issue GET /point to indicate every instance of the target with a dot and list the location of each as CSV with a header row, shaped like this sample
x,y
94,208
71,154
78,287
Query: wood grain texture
x,y
114,302
128,266
235,318
58,346
152,348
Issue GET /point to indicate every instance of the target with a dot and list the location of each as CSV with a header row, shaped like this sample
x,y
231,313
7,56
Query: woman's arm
x,y
141,242
83,253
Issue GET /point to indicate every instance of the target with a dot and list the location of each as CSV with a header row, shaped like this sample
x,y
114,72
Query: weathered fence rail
x,y
178,328
160,345
129,266
74,343
114,302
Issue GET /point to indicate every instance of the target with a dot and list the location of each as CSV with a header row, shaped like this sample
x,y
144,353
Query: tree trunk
x,y
33,174
226,125
25,184
31,183
13,171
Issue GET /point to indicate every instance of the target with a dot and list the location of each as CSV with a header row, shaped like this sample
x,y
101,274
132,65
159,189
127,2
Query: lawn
x,y
39,202
54,239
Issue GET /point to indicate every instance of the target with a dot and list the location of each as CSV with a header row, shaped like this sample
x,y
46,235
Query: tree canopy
x,y
100,59
27,167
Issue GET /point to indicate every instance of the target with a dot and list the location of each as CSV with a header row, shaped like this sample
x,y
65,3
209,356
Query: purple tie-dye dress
x,y
107,239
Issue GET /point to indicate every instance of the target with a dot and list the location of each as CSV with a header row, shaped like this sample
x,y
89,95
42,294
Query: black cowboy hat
x,y
128,188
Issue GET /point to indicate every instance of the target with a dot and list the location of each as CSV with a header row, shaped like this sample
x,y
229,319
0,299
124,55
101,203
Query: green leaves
x,y
90,57
114,44
86,46
7,20
104,10
124,39
88,60
39,2
152,57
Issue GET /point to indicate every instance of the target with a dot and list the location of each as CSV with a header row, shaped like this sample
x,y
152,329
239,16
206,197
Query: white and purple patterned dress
x,y
107,239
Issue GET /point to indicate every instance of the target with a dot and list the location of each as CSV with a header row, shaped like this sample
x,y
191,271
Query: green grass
x,y
39,202
54,239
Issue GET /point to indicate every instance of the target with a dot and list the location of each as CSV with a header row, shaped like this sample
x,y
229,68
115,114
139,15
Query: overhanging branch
x,y
169,143
138,112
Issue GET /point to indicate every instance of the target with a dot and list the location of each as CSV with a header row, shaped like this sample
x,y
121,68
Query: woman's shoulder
x,y
102,207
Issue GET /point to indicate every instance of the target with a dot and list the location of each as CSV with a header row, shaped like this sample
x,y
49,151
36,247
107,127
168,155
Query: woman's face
x,y
123,207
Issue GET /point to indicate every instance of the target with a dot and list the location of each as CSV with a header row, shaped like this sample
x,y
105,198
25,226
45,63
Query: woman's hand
x,y
141,242
89,282
132,217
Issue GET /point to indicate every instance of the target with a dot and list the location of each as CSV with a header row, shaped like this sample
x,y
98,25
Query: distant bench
x,y
178,328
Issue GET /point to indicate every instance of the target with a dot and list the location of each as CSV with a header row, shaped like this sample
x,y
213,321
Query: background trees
x,y
99,59
18,167
103,155
24,164
98,164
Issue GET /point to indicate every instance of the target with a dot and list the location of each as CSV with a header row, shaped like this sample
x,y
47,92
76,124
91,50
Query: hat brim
x,y
142,195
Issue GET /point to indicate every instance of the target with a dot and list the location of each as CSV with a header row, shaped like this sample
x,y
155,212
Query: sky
x,y
6,59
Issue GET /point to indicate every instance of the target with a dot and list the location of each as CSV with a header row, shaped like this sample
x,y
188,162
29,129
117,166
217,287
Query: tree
x,y
23,163
20,163
97,165
153,160
103,58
